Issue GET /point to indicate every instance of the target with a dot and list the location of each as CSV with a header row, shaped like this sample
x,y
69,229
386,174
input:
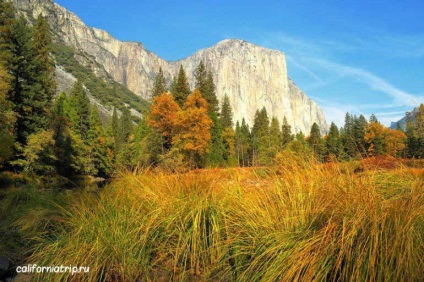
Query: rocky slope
x,y
253,77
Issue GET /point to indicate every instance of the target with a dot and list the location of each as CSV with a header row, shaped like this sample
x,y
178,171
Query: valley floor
x,y
295,221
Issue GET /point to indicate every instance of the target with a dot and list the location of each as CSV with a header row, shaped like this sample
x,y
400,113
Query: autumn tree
x,y
164,114
383,140
193,125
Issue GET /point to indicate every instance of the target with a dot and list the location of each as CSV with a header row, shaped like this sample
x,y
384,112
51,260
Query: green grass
x,y
298,221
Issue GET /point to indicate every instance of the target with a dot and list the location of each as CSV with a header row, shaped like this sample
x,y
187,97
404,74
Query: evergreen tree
x,y
315,136
79,111
260,138
334,146
211,94
415,133
359,129
24,87
216,146
243,143
159,85
182,88
275,137
200,75
226,117
348,137
7,118
100,162
317,143
44,65
286,133
126,125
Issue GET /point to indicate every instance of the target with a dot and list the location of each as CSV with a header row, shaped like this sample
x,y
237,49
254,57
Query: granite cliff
x,y
252,76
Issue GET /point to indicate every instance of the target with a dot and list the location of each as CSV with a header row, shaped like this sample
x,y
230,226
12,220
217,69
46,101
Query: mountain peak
x,y
252,76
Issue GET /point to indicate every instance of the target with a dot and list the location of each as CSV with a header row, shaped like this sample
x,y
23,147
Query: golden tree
x,y
194,127
163,116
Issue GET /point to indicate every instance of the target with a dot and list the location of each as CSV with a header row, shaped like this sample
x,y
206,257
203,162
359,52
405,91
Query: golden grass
x,y
297,221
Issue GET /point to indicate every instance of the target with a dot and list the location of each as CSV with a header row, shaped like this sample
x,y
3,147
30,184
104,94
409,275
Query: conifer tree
x,y
286,133
44,65
7,118
210,94
334,146
317,143
62,136
226,113
200,75
100,163
216,145
126,125
80,110
260,138
275,136
159,85
182,88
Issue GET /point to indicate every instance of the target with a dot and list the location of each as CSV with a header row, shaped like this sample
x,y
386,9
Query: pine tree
x,y
62,137
226,113
115,131
100,163
200,75
275,137
286,133
260,138
315,136
79,111
216,145
126,125
210,94
182,88
334,146
348,137
317,143
159,85
44,65
7,118
359,129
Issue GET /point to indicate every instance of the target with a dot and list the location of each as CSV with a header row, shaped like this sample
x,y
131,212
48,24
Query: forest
x,y
191,194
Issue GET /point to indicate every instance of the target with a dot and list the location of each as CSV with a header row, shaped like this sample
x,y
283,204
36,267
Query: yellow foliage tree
x,y
163,116
383,140
193,127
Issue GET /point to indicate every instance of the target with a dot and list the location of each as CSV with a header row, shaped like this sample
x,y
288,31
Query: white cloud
x,y
400,97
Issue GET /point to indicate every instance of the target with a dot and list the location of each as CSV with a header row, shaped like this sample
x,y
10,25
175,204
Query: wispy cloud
x,y
401,97
305,69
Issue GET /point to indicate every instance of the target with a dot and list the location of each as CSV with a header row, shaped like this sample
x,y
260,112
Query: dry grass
x,y
297,221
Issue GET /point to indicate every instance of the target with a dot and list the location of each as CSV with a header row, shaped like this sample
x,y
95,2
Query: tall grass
x,y
299,221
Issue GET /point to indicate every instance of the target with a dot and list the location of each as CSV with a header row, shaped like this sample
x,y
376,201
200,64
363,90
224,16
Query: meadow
x,y
297,220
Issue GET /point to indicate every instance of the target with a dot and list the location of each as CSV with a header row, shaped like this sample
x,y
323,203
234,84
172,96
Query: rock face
x,y
253,77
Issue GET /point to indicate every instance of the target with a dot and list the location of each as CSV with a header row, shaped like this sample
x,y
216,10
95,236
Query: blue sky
x,y
358,56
